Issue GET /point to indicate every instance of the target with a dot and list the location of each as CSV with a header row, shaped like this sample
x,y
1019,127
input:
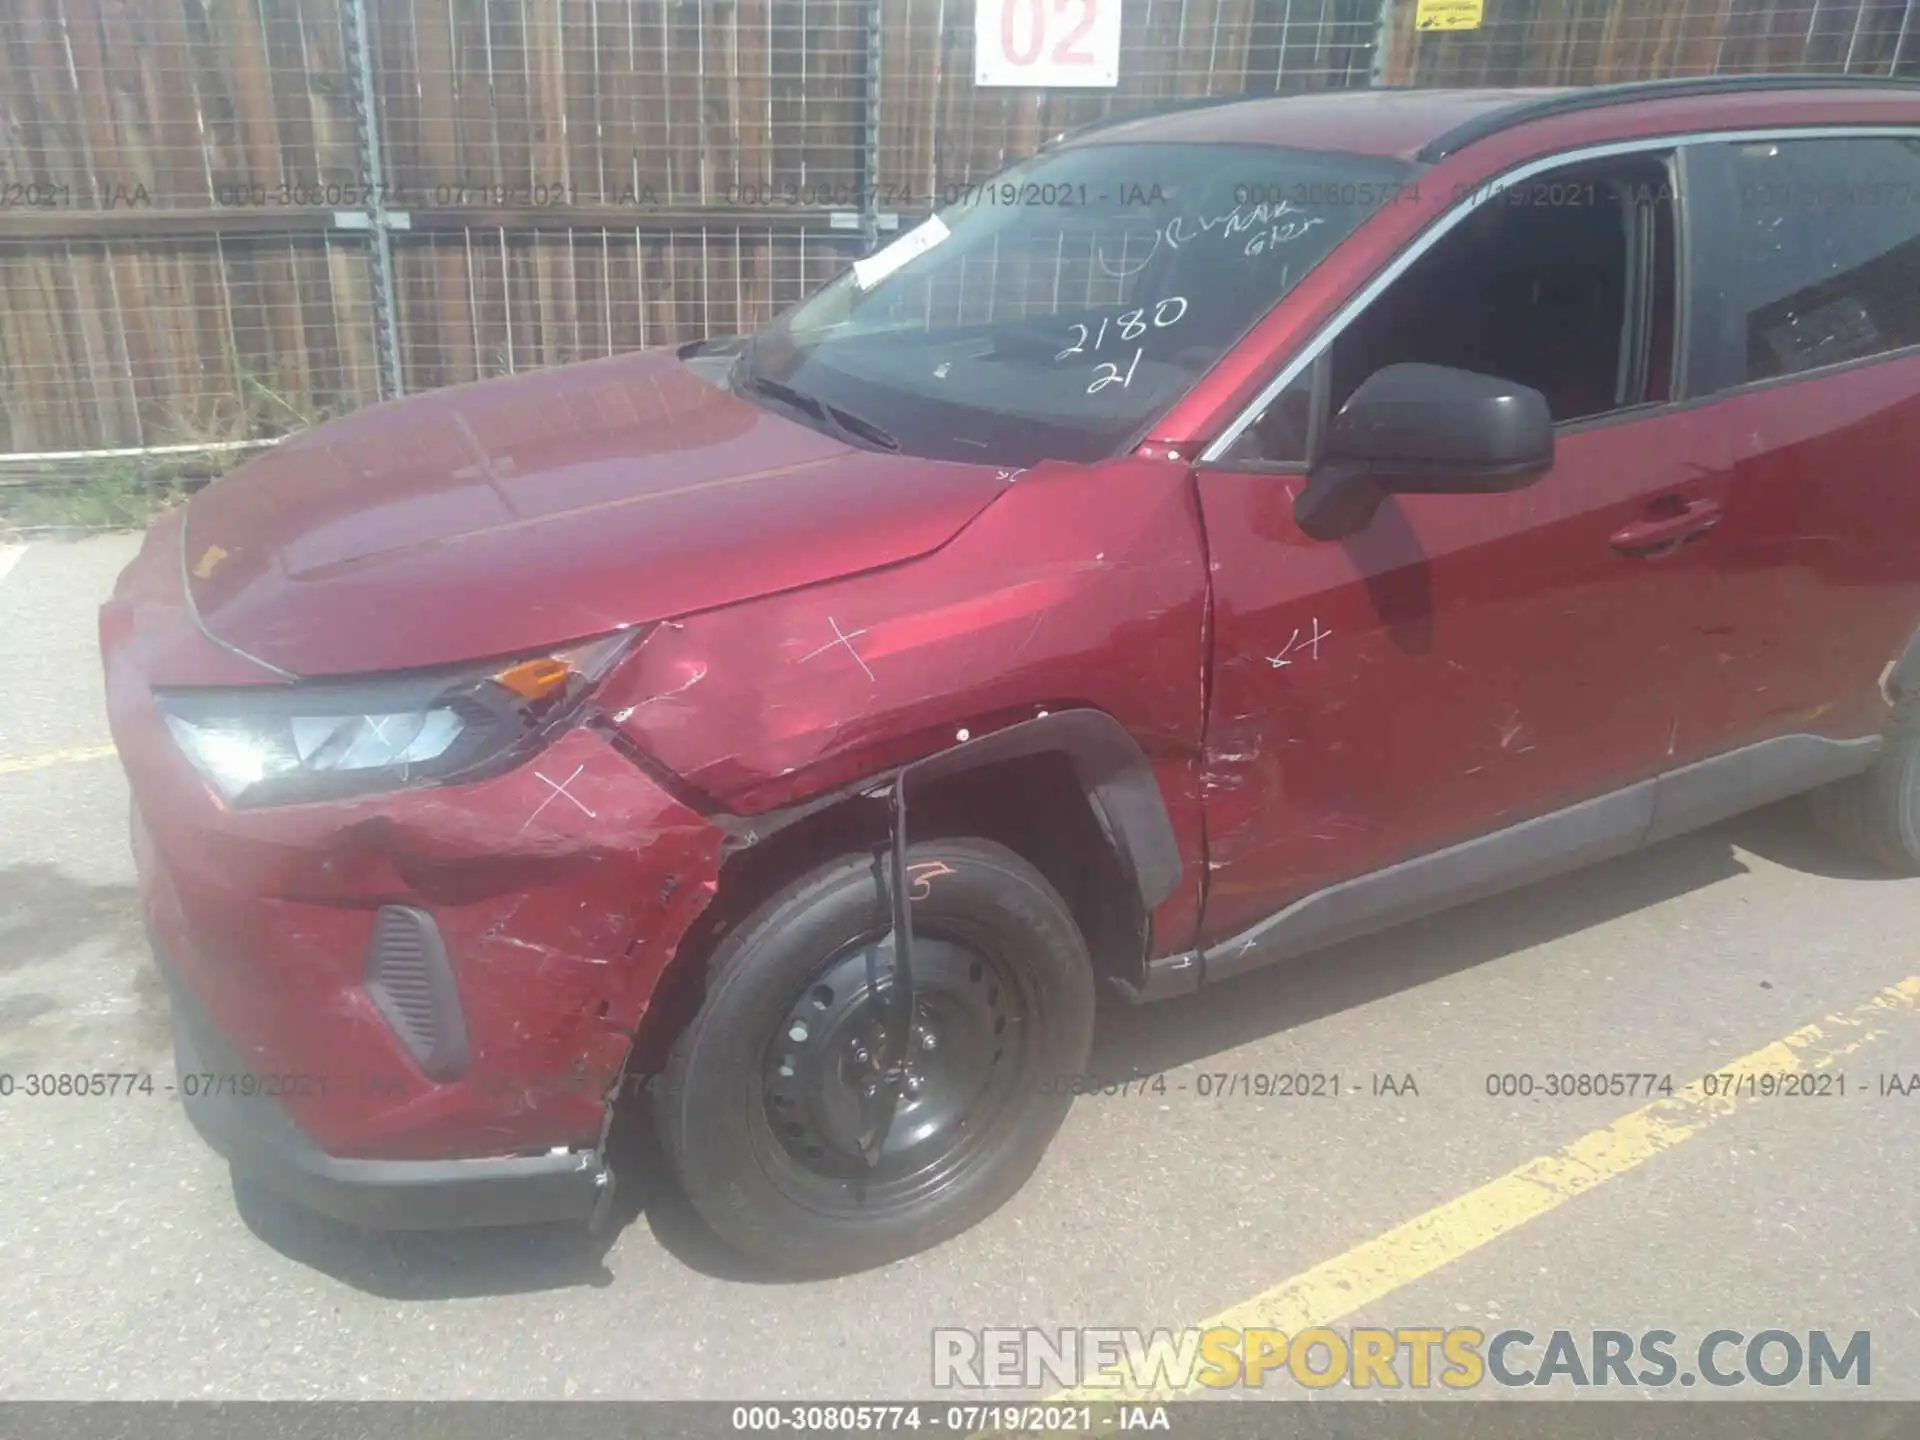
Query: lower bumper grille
x,y
410,981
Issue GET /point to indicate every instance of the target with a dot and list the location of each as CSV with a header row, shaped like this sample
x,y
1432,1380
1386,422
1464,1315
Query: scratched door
x,y
1463,663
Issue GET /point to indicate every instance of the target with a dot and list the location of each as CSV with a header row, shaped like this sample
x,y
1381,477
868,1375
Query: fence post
x,y
1382,43
375,219
870,139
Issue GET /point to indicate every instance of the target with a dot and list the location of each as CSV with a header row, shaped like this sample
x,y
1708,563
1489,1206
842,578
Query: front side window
x,y
1820,253
1055,311
1564,283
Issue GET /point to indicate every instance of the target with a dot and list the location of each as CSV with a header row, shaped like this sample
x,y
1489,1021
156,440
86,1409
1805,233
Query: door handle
x,y
1659,534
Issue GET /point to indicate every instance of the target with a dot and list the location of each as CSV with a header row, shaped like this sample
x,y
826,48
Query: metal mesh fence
x,y
131,105
161,343
483,301
221,220
553,103
1592,42
939,131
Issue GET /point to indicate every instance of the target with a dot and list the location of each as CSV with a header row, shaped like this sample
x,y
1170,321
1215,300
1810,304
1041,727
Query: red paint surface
x,y
503,516
560,921
1486,658
1815,567
1079,586
832,612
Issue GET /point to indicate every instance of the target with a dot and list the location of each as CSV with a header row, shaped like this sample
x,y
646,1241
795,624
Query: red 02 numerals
x,y
1022,44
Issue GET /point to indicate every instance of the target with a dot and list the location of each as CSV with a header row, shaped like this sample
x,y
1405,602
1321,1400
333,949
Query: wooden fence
x,y
222,220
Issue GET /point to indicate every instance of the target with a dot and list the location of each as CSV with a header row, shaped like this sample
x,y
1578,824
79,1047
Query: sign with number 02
x,y
1051,43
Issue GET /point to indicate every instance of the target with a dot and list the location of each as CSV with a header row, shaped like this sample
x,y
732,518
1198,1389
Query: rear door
x,y
1810,339
1467,662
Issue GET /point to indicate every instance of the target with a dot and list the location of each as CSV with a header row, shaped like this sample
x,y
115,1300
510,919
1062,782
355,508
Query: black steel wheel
x,y
814,1140
824,1082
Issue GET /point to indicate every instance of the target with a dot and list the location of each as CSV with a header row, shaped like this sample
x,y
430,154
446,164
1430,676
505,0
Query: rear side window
x,y
1818,260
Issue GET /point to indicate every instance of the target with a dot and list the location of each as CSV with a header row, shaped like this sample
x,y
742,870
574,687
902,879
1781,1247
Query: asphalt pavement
x,y
132,1267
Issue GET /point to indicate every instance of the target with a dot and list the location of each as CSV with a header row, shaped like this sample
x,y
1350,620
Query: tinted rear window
x,y
1824,260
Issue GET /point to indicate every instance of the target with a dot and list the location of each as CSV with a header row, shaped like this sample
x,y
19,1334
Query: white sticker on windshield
x,y
871,271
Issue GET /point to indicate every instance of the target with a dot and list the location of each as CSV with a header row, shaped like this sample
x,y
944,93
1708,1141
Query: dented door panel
x,y
1464,663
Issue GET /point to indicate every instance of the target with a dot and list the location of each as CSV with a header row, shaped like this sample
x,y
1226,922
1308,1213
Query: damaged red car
x,y
1228,532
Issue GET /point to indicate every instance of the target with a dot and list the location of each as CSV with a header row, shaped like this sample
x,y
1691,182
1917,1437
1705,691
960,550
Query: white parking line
x,y
10,557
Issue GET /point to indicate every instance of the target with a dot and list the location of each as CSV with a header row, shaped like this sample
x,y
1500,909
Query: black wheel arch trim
x,y
1113,771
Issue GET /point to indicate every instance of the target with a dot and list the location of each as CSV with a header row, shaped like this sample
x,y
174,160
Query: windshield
x,y
1054,311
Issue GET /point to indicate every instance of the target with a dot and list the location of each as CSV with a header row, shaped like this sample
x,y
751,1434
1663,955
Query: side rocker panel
x,y
1598,829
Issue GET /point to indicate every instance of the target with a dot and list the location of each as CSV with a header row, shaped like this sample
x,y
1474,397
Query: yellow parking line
x,y
78,755
1342,1285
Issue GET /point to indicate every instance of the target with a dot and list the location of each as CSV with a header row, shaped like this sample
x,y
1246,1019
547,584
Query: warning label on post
x,y
1448,14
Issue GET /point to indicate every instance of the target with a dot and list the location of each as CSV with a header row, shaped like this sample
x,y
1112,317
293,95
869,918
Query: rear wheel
x,y
1877,813
772,1107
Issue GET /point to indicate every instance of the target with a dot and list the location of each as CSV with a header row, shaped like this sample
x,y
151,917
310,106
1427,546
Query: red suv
x,y
1229,531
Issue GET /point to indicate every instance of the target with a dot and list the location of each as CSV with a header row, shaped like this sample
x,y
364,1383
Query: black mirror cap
x,y
1436,428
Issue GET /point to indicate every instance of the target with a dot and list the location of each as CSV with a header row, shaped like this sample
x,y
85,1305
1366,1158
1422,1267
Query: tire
x,y
1877,813
758,1106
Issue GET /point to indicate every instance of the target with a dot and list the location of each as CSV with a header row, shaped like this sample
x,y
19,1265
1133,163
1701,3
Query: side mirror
x,y
1424,429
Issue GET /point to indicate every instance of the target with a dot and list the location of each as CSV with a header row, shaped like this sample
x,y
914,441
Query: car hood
x,y
514,514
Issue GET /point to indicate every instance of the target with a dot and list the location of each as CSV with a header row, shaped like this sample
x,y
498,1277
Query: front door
x,y
1466,662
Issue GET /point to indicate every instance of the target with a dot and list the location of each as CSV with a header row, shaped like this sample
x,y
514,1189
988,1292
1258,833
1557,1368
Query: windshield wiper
x,y
714,346
843,423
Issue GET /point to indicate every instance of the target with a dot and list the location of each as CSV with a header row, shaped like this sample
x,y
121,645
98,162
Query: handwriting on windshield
x,y
1113,375
1272,223
1132,325
1127,327
1269,220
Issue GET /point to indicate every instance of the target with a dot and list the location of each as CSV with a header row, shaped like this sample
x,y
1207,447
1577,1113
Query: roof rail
x,y
1196,102
1173,107
1595,97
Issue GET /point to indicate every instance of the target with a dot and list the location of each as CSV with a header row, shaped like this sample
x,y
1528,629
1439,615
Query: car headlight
x,y
325,739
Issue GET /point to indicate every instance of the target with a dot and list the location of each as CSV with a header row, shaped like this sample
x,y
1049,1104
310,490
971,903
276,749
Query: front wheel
x,y
768,1107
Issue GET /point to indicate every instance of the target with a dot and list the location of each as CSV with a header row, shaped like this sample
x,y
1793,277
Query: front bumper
x,y
258,1139
553,898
